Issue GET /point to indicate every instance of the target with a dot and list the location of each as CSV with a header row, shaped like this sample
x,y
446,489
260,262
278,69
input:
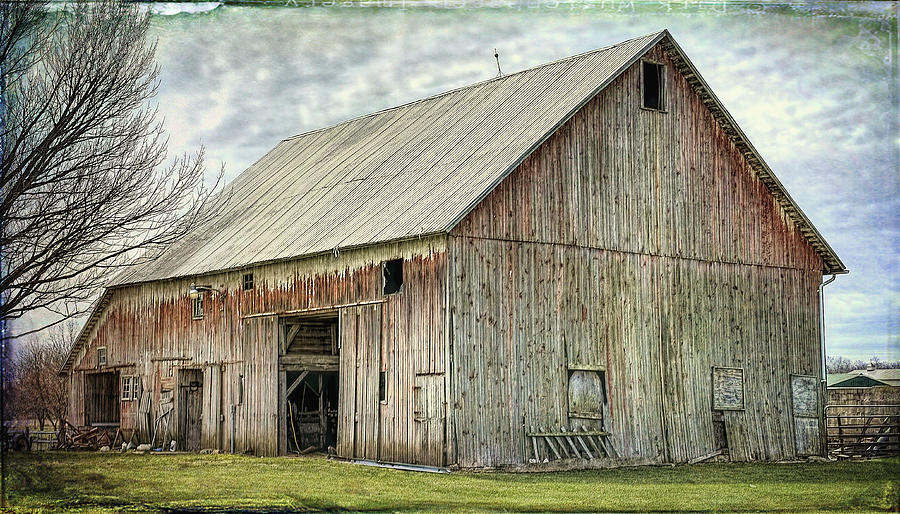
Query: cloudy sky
x,y
810,83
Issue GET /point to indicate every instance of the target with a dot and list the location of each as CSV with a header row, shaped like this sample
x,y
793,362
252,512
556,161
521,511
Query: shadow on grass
x,y
714,473
38,476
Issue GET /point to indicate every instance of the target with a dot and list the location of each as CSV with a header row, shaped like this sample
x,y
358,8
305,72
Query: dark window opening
x,y
382,387
393,276
240,398
654,85
248,281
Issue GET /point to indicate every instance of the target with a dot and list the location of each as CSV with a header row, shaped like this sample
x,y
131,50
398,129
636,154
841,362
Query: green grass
x,y
54,481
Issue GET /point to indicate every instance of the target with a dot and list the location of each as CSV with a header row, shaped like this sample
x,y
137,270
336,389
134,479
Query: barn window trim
x,y
197,306
659,69
392,276
247,282
130,385
102,357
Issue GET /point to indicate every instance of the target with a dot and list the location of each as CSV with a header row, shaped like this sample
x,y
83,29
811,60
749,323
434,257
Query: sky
x,y
812,84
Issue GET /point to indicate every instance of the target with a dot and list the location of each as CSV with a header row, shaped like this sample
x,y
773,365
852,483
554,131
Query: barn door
x,y
428,398
805,403
212,405
190,407
360,340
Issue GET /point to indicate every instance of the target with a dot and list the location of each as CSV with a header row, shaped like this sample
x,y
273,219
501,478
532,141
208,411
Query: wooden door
x,y
805,407
211,432
190,408
358,414
428,412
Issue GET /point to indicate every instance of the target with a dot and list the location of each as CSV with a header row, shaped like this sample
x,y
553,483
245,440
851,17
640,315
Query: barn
x,y
583,263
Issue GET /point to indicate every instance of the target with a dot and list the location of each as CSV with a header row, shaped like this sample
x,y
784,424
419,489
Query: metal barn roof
x,y
415,169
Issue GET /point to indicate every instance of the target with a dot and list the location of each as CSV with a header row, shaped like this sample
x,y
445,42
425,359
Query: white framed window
x,y
130,386
101,356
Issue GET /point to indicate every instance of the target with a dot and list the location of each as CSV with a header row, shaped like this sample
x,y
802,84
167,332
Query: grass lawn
x,y
54,481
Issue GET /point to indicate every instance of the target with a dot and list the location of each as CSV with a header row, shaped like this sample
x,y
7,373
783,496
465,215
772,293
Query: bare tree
x,y
42,392
83,188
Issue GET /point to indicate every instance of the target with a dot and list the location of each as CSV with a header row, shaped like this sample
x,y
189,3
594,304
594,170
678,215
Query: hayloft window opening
x,y
248,281
392,272
382,387
197,307
101,356
310,334
587,392
653,86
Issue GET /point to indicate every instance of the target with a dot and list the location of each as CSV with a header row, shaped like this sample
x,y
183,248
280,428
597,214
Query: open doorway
x,y
309,364
312,409
101,399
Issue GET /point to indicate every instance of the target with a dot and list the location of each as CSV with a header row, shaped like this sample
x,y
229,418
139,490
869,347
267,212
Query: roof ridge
x,y
474,84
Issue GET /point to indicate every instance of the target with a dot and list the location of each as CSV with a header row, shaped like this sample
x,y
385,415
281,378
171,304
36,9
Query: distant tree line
x,y
839,364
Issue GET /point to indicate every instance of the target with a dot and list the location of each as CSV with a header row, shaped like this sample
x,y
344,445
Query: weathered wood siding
x,y
640,241
148,330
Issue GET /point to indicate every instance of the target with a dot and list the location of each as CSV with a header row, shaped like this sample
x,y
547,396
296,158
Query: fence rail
x,y
863,430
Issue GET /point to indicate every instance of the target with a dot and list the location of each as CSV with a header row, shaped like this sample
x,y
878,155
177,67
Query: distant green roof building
x,y
865,378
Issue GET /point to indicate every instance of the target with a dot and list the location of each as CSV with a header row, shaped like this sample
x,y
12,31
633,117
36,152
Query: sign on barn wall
x,y
728,388
805,396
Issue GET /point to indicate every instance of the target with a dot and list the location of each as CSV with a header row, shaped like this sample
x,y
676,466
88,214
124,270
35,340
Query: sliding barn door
x,y
358,413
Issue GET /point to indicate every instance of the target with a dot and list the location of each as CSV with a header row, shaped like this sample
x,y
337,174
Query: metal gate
x,y
862,430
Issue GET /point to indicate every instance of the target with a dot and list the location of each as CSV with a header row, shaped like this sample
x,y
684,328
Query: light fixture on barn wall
x,y
197,289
